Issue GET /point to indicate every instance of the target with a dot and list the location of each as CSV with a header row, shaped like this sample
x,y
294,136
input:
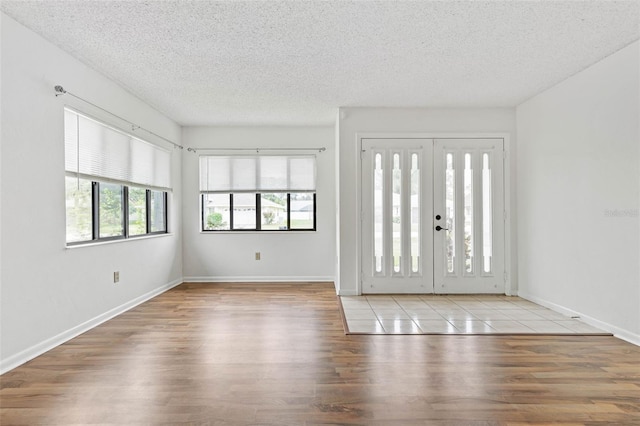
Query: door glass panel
x,y
396,212
486,215
450,213
415,214
378,241
468,214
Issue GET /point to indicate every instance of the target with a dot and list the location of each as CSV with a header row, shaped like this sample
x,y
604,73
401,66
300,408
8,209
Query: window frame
x,y
95,214
165,216
95,207
258,214
144,166
127,219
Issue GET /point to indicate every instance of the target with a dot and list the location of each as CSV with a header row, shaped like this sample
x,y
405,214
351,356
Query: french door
x,y
432,216
396,241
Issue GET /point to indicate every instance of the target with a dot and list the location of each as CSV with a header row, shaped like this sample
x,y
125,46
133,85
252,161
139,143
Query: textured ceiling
x,y
294,62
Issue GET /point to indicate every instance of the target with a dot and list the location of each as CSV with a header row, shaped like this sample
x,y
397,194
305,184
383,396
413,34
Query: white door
x,y
396,216
468,216
432,216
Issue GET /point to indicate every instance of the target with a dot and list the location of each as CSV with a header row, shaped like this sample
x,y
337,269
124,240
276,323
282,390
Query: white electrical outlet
x,y
116,276
257,255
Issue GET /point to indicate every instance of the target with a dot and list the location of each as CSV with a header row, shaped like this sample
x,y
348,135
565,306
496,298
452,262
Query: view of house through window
x,y
302,210
259,193
258,211
273,211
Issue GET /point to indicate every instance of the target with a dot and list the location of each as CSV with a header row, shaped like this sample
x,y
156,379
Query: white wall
x,y
399,121
285,256
50,293
578,195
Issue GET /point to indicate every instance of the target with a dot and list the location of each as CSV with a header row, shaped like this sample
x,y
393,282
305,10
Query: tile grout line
x,y
478,304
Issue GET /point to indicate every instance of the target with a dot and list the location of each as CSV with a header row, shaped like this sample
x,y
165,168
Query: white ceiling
x,y
294,62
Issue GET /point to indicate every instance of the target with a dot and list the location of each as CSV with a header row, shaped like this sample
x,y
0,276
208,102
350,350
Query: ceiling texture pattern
x,y
295,62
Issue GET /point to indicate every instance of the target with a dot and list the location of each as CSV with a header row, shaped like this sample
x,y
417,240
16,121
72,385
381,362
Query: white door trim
x,y
509,243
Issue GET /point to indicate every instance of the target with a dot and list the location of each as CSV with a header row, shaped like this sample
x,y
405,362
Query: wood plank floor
x,y
276,354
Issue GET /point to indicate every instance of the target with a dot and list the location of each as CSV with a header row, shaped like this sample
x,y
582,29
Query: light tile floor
x,y
465,314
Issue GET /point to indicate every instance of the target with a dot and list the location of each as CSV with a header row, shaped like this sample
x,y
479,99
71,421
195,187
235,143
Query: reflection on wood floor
x,y
236,354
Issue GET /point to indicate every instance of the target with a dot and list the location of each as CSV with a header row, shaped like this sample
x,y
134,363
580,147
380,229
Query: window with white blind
x,y
258,193
116,184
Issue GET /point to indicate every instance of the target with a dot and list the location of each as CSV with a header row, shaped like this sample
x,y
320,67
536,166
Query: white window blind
x,y
95,150
264,173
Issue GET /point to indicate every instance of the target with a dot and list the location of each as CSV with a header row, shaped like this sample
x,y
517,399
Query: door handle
x,y
440,228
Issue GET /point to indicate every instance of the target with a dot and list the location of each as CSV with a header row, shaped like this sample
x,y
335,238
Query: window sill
x,y
119,241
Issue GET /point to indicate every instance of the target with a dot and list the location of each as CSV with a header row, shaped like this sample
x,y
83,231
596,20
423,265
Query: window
x,y
158,211
258,193
137,211
110,206
116,184
79,209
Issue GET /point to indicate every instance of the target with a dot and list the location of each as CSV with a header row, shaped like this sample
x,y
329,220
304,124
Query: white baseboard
x,y
38,349
347,292
258,279
616,331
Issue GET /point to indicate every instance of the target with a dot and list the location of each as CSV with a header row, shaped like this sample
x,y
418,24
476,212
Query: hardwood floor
x,y
235,354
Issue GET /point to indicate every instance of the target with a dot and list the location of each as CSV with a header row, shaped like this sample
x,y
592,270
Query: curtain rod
x,y
321,149
60,91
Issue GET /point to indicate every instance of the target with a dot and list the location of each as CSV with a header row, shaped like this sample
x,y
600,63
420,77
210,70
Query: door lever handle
x,y
440,228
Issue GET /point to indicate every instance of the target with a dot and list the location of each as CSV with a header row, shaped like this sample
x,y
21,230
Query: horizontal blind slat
x,y
98,151
267,173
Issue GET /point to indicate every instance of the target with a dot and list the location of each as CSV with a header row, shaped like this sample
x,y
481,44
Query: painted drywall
x,y
578,194
285,256
49,292
400,122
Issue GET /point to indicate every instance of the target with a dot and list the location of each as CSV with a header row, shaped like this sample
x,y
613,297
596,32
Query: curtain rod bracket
x,y
59,91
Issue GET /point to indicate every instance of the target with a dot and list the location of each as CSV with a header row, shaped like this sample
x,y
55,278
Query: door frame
x,y
510,285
